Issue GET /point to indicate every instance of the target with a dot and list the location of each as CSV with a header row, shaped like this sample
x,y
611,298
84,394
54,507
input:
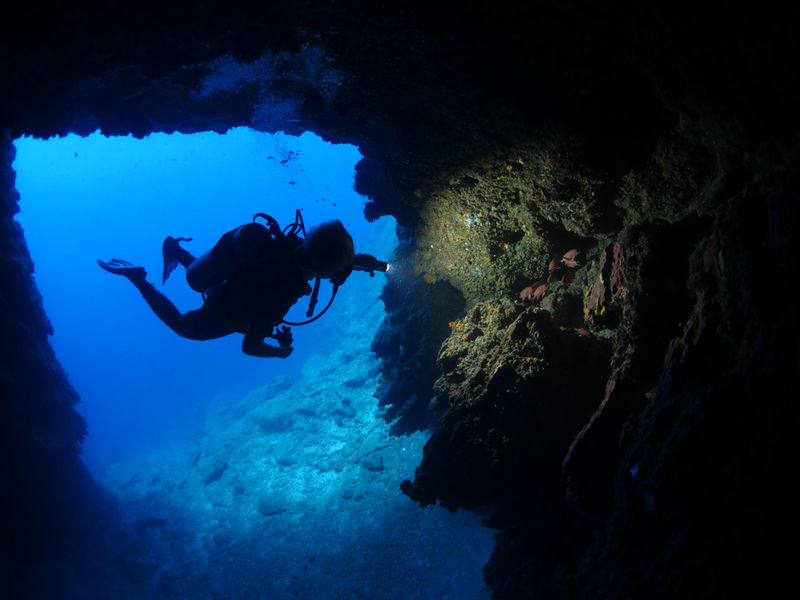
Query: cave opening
x,y
97,197
266,464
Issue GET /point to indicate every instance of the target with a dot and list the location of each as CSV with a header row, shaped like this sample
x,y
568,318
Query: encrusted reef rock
x,y
703,457
408,341
518,387
494,225
667,416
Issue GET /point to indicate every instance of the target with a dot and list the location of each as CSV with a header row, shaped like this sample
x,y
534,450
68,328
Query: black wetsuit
x,y
259,292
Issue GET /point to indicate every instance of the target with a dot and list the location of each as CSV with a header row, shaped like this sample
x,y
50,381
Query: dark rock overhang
x,y
420,87
669,136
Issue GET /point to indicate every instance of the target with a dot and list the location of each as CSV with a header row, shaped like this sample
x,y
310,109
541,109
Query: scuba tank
x,y
292,231
249,244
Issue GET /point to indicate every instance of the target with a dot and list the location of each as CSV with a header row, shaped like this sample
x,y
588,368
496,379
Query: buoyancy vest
x,y
262,277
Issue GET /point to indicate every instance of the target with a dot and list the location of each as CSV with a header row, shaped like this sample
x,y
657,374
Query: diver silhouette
x,y
250,279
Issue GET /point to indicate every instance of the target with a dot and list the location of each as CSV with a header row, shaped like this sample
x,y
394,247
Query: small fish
x,y
526,294
534,291
569,258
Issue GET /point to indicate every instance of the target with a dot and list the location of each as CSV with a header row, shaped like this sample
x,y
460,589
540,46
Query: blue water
x,y
288,461
84,199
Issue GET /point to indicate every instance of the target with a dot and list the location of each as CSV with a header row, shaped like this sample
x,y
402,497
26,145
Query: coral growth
x,y
505,386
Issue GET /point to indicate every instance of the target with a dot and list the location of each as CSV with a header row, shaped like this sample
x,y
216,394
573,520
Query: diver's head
x,y
329,248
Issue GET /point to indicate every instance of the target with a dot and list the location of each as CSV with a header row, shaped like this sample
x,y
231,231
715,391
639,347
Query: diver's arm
x,y
253,345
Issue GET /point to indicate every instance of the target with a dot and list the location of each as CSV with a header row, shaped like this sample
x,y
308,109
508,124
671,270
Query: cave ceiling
x,y
426,90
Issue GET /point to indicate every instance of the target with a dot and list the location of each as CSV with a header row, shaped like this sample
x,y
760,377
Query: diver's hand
x,y
284,337
123,267
253,343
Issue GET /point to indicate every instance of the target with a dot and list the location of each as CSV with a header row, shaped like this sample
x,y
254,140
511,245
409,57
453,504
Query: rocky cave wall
x,y
630,432
50,506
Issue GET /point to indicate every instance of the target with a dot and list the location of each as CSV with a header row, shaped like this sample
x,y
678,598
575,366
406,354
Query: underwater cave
x,y
578,378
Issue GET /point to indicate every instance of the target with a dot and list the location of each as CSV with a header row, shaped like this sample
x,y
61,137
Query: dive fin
x,y
172,254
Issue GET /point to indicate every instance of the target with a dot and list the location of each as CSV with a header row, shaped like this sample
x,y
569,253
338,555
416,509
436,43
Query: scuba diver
x,y
251,278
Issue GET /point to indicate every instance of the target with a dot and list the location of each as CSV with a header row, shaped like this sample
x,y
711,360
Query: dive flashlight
x,y
370,264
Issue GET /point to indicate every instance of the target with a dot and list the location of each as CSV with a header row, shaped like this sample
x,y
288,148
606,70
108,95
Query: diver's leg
x,y
161,305
207,271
